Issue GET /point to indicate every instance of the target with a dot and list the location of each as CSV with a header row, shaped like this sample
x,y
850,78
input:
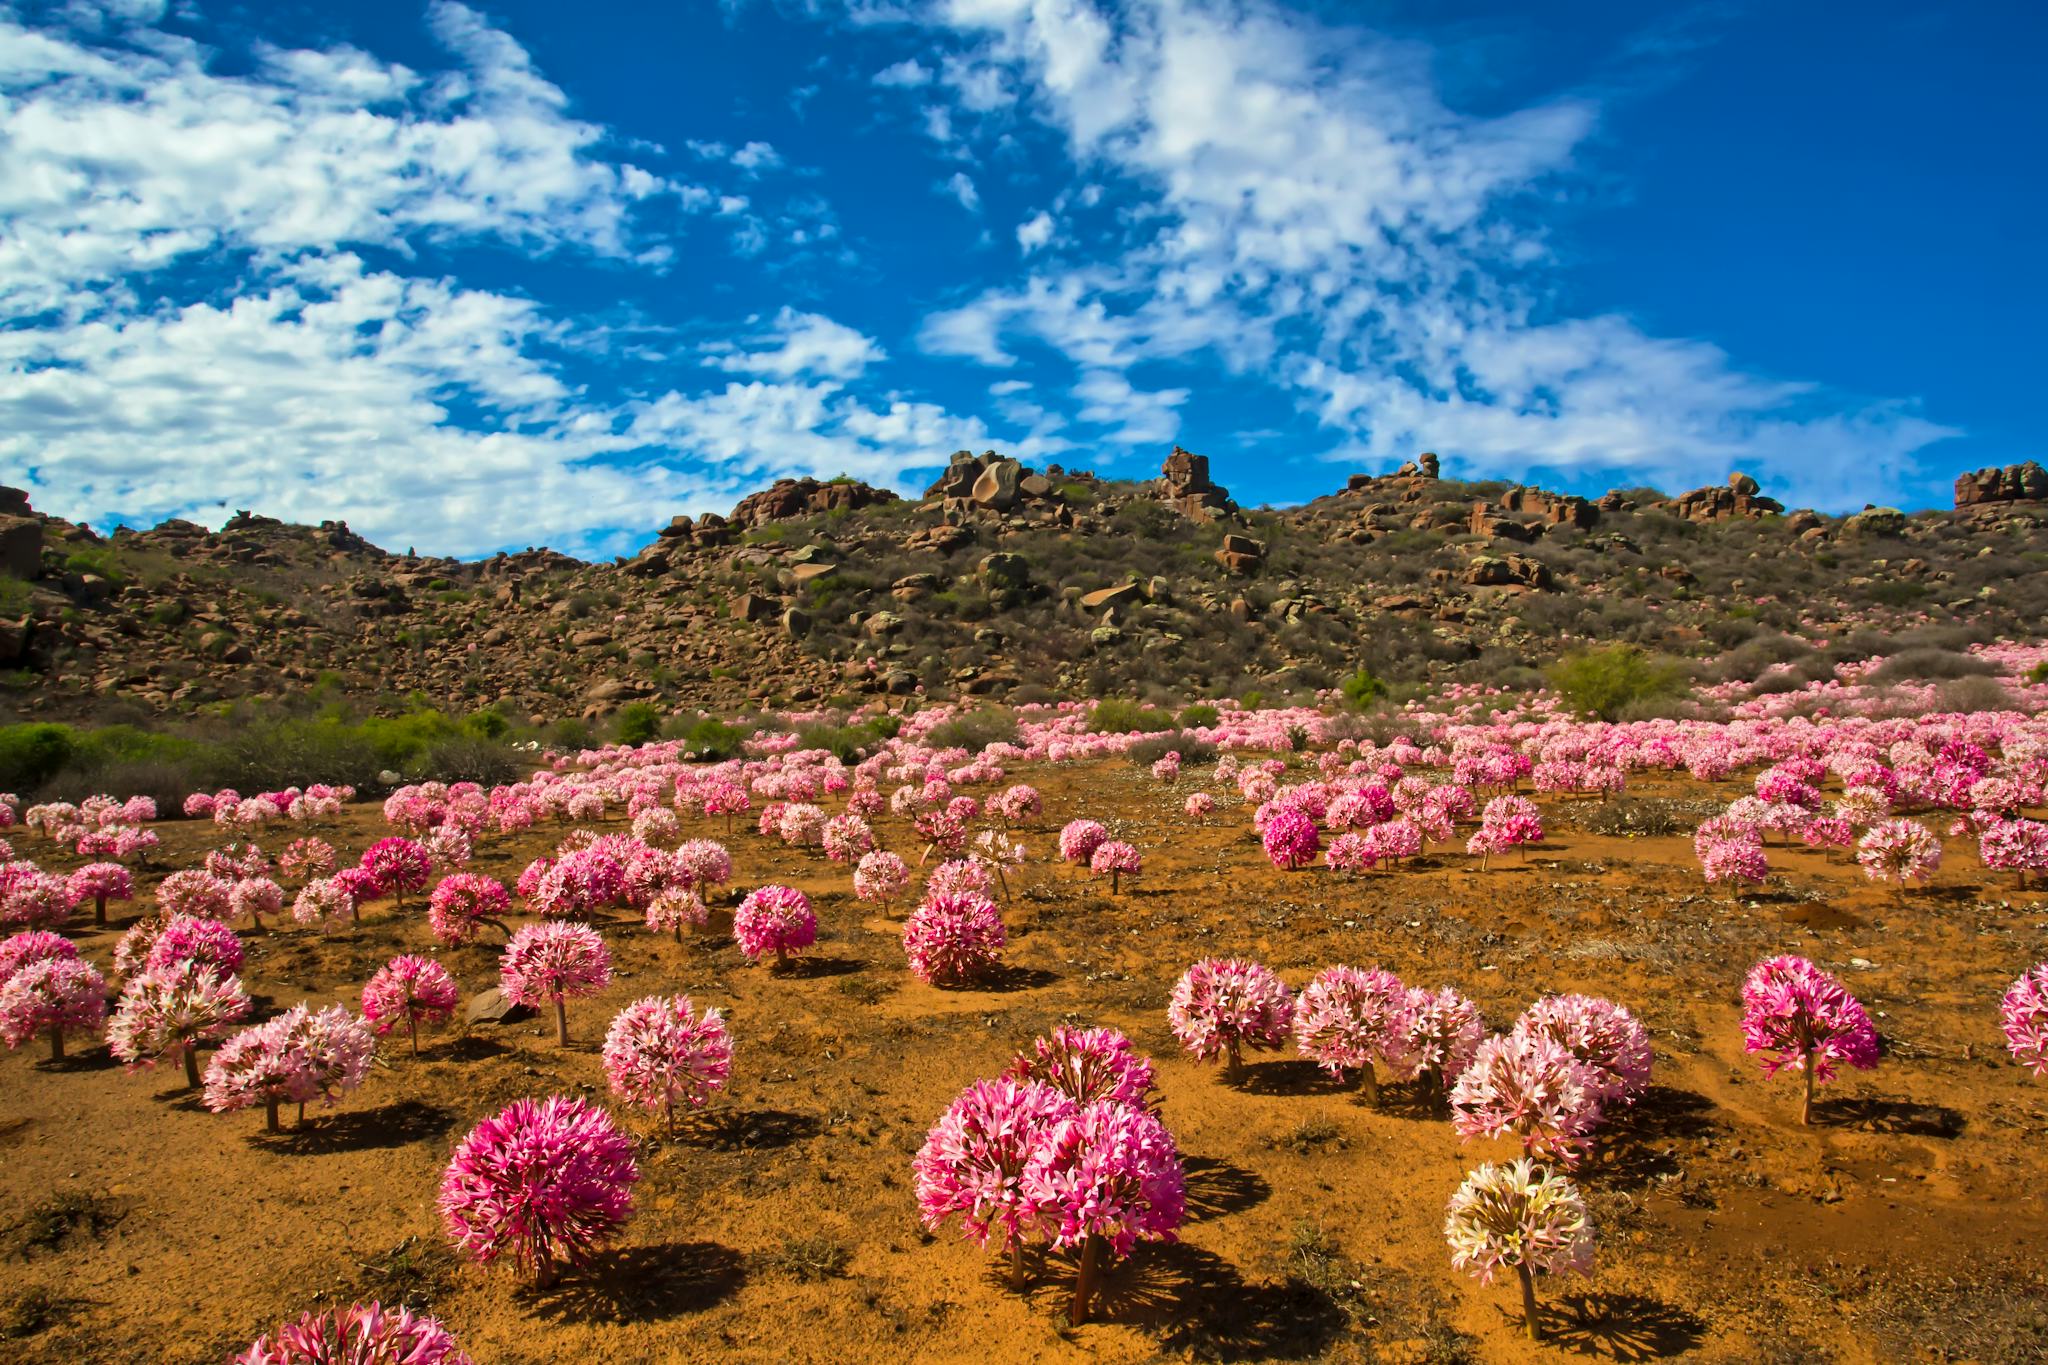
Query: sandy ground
x,y
1907,1225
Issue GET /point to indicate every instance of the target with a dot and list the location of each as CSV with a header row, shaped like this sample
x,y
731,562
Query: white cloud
x,y
1034,232
808,345
757,157
960,186
1136,417
1308,209
908,74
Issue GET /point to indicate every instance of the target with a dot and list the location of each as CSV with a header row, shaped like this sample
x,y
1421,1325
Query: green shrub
x,y
31,755
1199,716
1361,689
637,722
1605,682
975,730
487,723
1192,751
1113,716
2038,674
708,738
468,758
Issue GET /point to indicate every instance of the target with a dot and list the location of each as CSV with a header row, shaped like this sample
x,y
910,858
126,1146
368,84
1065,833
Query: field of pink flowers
x,y
1470,1034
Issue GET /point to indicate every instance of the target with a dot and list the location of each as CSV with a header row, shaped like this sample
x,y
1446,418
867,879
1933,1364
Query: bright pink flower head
x,y
553,961
1087,1065
880,878
399,864
660,1052
1347,1019
194,892
367,1334
1079,840
547,1181
32,945
1802,1019
1291,838
57,995
974,1159
162,1014
460,904
238,862
774,920
1531,1087
801,825
261,1065
410,990
359,884
1600,1033
188,938
1222,1005
2023,1014
951,939
102,882
1518,1214
1109,1171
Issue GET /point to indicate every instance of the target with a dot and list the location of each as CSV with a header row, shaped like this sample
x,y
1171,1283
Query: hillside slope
x,y
1013,583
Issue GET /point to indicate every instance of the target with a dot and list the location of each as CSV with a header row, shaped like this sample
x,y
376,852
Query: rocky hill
x,y
1007,582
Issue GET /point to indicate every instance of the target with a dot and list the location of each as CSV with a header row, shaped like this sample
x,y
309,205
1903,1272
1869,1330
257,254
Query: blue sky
x,y
477,277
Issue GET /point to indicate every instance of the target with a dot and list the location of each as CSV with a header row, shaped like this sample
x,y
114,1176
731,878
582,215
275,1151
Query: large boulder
x,y
1184,482
788,498
21,546
996,485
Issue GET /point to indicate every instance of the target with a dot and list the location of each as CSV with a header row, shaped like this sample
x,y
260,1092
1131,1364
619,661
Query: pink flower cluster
x,y
952,939
406,990
774,919
546,1182
2023,1014
660,1051
1351,1020
1220,1006
1802,1019
367,1334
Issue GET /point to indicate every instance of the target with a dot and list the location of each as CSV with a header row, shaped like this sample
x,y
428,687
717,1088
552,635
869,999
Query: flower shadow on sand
x,y
1197,1305
642,1284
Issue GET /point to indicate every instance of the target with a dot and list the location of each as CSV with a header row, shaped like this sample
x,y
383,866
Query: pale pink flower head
x,y
1087,1065
1291,838
660,1052
674,909
546,1182
974,1159
1080,838
774,920
847,838
2023,1014
34,899
262,1065
194,891
463,903
238,862
1899,852
1220,1006
954,938
1802,1019
305,859
1014,805
1107,1170
164,1014
367,1334
704,862
880,877
1532,1088
189,938
255,897
1352,1020
409,990
1520,1216
1198,805
322,901
1600,1033
960,877
52,996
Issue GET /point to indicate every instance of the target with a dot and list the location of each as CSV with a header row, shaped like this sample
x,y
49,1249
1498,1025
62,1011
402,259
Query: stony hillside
x,y
1008,582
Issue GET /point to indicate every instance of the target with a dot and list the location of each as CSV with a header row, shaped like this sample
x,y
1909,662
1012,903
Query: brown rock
x,y
1123,594
751,606
21,546
2026,482
494,1007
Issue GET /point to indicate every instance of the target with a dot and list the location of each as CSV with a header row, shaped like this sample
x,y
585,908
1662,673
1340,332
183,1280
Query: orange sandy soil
x,y
1907,1225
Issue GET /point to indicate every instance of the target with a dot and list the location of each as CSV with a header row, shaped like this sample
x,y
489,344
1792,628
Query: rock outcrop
x,y
2026,482
1185,483
1737,498
787,498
